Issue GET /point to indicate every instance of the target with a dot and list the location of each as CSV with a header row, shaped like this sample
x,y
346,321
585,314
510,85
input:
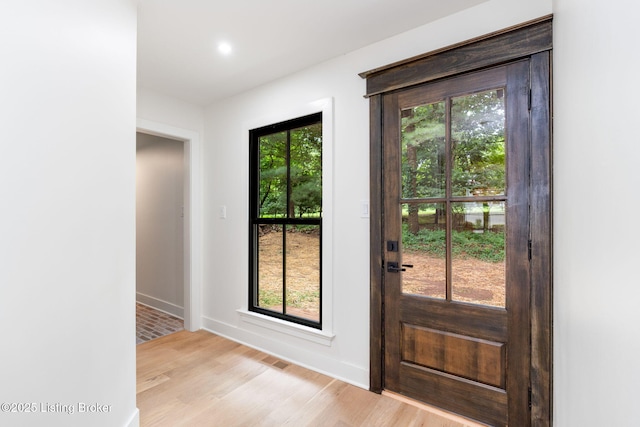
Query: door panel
x,y
456,209
456,395
467,357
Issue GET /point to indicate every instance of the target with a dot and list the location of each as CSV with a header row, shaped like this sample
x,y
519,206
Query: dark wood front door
x,y
456,271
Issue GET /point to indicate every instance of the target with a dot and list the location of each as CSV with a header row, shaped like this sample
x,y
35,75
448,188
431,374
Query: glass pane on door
x,y
478,144
478,253
424,247
423,151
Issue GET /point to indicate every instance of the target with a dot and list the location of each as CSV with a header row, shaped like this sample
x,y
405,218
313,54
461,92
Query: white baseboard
x,y
158,304
296,354
134,421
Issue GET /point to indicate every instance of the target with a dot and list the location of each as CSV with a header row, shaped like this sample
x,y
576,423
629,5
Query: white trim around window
x,y
324,336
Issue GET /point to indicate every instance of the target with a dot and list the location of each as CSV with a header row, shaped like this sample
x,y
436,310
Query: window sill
x,y
282,326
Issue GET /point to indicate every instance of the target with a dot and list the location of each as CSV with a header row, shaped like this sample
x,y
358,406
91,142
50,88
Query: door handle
x,y
392,267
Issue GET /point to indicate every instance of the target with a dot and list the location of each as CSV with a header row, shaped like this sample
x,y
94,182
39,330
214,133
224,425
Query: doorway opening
x,y
159,236
160,223
190,219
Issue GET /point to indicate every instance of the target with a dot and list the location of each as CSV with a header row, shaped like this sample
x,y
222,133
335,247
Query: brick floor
x,y
152,323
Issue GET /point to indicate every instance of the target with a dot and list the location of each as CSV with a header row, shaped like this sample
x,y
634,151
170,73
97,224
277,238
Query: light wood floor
x,y
200,379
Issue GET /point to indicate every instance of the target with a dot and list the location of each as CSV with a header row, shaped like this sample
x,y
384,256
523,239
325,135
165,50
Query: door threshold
x,y
464,422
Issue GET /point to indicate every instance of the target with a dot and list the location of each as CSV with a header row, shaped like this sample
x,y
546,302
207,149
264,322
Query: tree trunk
x,y
485,213
412,161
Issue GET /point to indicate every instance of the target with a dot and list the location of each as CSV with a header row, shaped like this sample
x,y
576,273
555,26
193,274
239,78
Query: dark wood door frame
x,y
531,40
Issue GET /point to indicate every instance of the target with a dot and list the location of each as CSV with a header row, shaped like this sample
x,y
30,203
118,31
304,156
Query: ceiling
x,y
178,39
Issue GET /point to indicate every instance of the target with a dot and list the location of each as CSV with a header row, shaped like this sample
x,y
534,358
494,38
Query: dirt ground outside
x,y
473,280
303,273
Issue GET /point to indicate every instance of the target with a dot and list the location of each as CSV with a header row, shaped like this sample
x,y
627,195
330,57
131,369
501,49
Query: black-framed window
x,y
285,220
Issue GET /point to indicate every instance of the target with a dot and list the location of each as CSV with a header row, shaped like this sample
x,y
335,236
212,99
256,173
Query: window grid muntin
x,y
449,198
256,220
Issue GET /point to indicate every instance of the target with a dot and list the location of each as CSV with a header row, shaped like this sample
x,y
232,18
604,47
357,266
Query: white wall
x,y
225,159
595,251
597,287
163,109
67,210
160,223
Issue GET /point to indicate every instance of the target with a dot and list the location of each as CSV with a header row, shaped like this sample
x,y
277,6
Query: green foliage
x,y
293,188
302,298
269,298
306,229
273,173
487,246
477,146
425,240
478,143
423,151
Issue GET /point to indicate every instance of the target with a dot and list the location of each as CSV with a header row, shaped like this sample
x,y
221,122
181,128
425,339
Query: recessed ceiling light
x,y
224,48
